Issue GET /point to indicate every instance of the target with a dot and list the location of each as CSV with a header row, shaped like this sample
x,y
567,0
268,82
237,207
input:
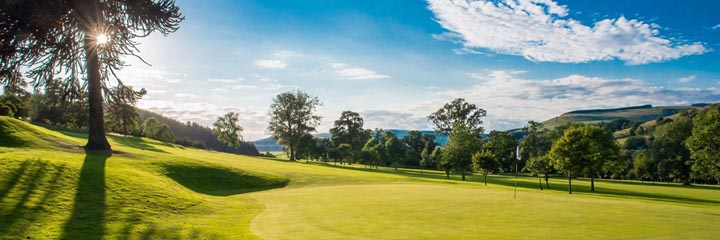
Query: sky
x,y
395,62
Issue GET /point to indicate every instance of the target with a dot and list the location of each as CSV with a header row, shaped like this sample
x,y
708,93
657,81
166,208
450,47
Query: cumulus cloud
x,y
271,63
356,73
512,100
394,120
540,30
716,27
686,79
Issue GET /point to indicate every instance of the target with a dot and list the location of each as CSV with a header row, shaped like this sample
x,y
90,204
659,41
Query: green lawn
x,y
49,188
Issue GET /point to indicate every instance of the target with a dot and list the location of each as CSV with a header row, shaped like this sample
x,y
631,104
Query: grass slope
x,y
636,114
49,188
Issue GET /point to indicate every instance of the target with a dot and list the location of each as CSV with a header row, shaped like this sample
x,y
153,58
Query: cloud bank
x,y
540,30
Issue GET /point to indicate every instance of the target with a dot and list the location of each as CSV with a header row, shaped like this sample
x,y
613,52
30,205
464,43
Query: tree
x,y
16,104
540,165
394,149
669,151
414,144
485,162
150,128
122,118
425,158
583,149
165,134
502,145
458,112
292,115
704,144
348,129
461,145
78,37
441,162
228,130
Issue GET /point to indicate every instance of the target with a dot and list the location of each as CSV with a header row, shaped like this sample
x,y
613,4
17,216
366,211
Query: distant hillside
x,y
191,131
646,128
270,145
642,113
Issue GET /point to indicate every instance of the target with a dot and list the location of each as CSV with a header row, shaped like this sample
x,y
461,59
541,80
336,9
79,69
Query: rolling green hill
x,y
50,189
642,113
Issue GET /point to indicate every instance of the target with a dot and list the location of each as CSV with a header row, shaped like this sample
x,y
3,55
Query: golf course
x,y
49,188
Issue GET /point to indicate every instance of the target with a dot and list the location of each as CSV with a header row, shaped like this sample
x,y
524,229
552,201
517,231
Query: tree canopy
x,y
292,115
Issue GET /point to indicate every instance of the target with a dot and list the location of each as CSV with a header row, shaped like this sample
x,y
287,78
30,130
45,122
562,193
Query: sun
x,y
101,39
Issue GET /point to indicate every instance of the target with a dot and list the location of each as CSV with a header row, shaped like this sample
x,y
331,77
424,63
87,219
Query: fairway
x,y
446,212
49,188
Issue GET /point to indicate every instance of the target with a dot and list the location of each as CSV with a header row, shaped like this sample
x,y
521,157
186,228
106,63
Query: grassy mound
x,y
221,181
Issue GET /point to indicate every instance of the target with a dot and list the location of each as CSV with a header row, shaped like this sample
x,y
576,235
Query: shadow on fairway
x,y
88,217
135,228
137,143
30,189
218,181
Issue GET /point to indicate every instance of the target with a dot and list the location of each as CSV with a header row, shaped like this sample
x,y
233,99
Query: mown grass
x,y
49,188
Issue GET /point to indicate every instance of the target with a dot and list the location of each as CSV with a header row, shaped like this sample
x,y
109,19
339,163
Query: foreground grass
x,y
49,188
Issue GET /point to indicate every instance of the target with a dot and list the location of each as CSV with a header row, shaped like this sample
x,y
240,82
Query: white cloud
x,y
284,54
540,30
271,63
226,80
356,73
716,27
686,79
511,100
186,95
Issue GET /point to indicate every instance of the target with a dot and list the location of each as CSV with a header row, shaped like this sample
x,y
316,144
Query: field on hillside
x,y
636,114
49,188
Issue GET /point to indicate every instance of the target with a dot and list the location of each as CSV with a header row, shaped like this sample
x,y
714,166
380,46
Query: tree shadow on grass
x,y
664,184
136,142
88,216
221,182
134,227
26,196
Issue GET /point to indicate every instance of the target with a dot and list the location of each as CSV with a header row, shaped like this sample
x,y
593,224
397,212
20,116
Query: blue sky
x,y
395,62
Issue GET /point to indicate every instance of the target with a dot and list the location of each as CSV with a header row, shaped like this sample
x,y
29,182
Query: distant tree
x,y
394,150
348,129
425,158
669,151
583,149
373,150
442,163
228,130
46,38
458,113
15,104
536,142
414,145
485,162
344,150
461,145
150,128
165,134
704,144
643,166
635,143
122,118
292,115
502,145
541,166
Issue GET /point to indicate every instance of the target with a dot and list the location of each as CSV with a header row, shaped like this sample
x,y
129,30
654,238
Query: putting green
x,y
403,211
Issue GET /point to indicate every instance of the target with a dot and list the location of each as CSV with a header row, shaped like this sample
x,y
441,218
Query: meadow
x,y
50,188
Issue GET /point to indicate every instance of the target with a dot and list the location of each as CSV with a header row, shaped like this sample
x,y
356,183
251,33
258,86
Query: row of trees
x,y
680,150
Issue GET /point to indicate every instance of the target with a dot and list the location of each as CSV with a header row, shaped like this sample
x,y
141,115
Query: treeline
x,y
684,150
60,104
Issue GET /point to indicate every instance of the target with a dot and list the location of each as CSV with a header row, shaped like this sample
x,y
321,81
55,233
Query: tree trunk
x,y
447,173
592,183
547,183
292,151
540,182
96,129
569,183
462,172
485,176
395,163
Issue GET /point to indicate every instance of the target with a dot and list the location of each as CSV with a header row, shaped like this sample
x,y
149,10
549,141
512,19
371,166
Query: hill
x,y
190,133
270,145
50,189
642,113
